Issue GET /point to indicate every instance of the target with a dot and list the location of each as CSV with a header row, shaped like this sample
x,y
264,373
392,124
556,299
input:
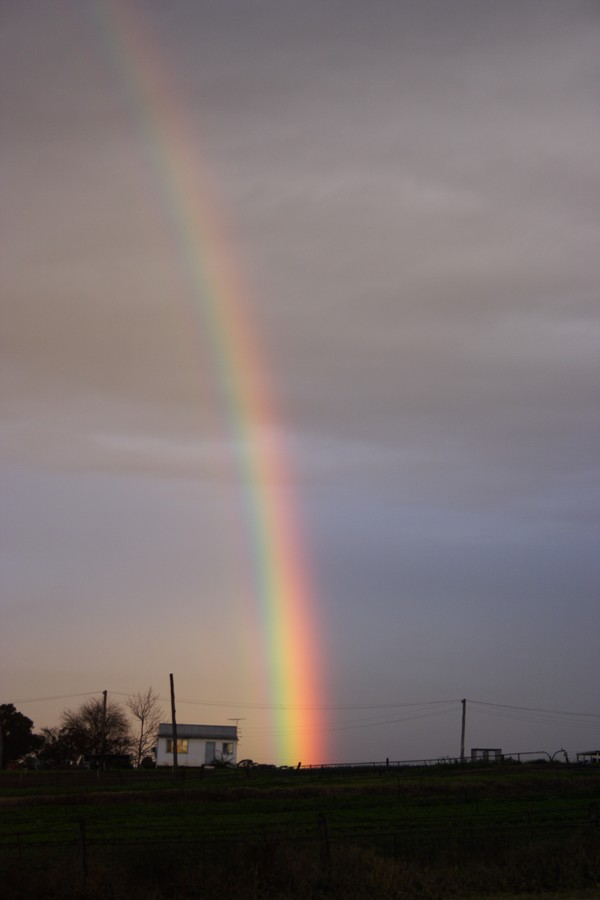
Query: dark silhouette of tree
x,y
57,750
17,738
146,710
89,733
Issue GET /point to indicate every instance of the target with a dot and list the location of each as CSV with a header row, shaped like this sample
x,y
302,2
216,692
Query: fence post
x,y
83,844
325,845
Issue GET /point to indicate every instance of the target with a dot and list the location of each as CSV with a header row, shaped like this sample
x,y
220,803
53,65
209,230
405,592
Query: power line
x,y
499,709
323,708
58,697
558,712
574,720
342,726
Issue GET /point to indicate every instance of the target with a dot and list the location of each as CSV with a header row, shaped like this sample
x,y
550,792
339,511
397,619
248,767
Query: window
x,y
228,748
182,745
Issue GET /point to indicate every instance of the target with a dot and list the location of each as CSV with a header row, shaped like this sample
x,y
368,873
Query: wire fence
x,y
408,837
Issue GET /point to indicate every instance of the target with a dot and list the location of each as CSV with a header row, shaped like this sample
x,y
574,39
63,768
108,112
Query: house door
x,y
209,754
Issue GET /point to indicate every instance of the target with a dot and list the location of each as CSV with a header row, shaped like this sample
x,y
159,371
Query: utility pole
x,y
237,730
103,740
173,726
462,730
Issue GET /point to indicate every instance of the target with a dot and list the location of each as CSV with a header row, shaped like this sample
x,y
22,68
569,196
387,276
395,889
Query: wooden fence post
x,y
325,845
83,844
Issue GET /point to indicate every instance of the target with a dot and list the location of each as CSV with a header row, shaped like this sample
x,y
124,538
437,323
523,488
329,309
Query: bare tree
x,y
145,708
91,732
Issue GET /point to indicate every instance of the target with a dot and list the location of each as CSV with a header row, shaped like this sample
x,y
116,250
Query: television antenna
x,y
236,720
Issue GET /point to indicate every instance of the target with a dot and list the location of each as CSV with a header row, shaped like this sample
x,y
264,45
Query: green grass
x,y
447,832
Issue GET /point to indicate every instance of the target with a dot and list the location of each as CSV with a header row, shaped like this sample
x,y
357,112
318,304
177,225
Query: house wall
x,y
196,755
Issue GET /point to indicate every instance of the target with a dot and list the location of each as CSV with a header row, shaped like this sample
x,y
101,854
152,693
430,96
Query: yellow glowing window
x,y
182,745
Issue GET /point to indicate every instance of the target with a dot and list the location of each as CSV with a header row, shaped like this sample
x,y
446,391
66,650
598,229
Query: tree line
x,y
93,732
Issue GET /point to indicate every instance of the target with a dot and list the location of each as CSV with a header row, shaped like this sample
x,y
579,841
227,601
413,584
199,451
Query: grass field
x,y
514,831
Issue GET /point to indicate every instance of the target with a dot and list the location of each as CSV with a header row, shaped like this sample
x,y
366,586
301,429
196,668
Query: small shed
x,y
486,754
197,745
589,756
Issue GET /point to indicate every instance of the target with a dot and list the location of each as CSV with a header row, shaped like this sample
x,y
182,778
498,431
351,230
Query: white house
x,y
197,745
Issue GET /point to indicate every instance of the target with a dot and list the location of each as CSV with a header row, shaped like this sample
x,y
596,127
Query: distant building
x,y
197,745
589,756
486,754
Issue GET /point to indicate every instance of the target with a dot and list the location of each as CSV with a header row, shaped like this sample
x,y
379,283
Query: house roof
x,y
202,732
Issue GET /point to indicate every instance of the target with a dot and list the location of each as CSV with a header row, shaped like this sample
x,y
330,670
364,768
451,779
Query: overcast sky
x,y
411,192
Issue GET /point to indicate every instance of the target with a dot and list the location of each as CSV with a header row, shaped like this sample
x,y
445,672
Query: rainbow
x,y
284,596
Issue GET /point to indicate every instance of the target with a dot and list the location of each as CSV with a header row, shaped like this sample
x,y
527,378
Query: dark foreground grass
x,y
487,834
272,868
